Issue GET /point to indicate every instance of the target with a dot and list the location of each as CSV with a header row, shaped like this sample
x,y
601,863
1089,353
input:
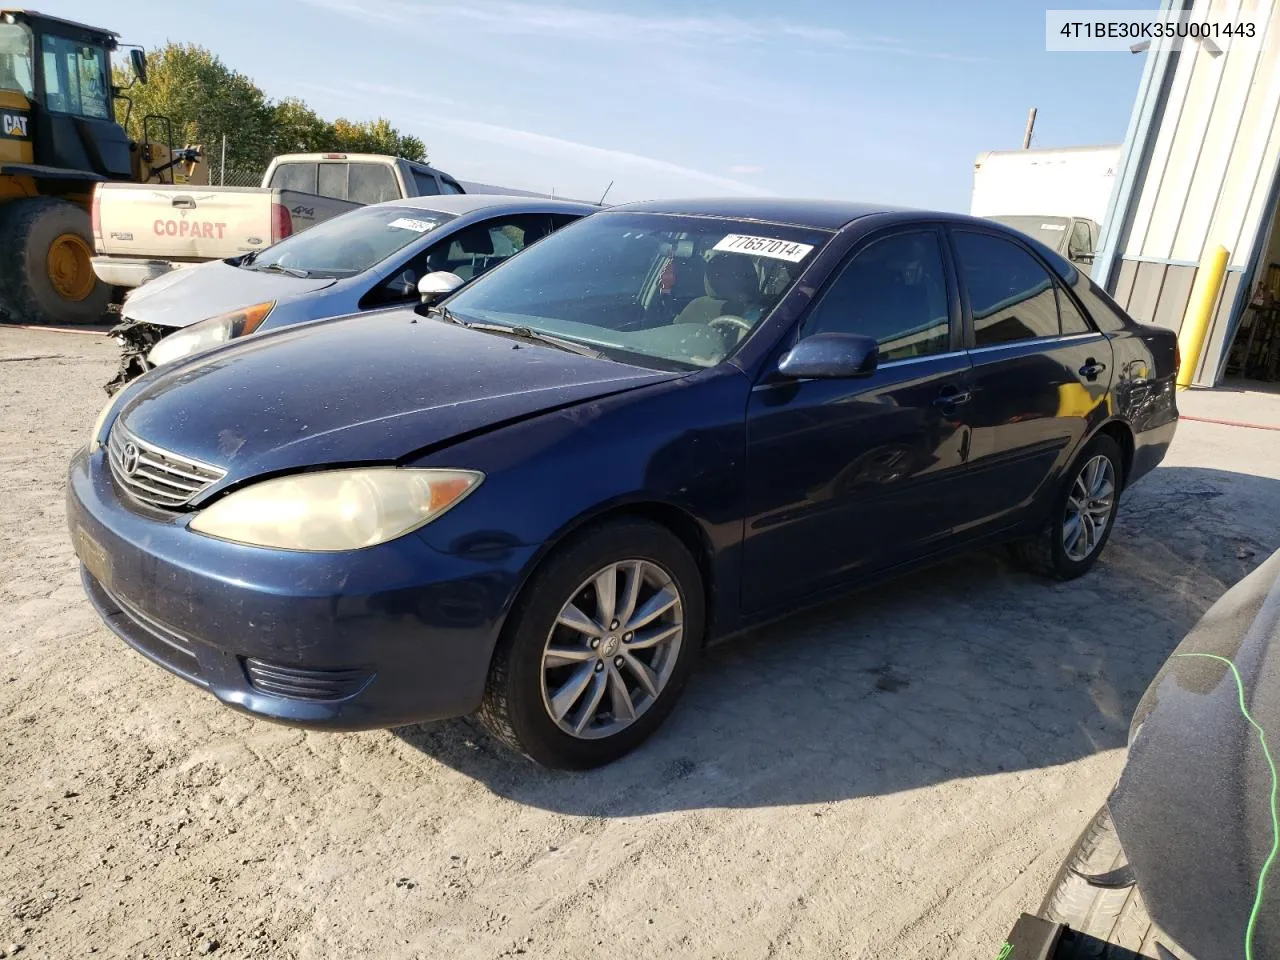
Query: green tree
x,y
376,136
205,99
299,129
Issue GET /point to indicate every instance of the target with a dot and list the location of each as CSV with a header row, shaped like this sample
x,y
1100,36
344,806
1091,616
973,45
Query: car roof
x,y
460,204
822,214
816,214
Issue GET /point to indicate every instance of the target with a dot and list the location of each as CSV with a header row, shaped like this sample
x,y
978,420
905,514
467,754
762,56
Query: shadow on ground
x,y
966,669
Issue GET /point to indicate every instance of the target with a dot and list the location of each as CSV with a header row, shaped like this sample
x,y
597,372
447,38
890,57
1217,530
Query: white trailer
x,y
1068,182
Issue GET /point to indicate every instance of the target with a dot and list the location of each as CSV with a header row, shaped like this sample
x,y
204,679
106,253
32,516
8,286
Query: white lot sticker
x,y
764,247
408,223
1053,226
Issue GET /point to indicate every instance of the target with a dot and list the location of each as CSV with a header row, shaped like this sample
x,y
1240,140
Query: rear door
x,y
1041,374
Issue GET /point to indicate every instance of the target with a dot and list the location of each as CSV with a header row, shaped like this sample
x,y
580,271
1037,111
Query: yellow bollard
x,y
1195,323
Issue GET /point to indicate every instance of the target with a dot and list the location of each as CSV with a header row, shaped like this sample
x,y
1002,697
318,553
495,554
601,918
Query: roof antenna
x,y
605,194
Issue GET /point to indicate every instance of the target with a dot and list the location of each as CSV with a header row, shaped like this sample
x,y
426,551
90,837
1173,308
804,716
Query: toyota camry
x,y
538,498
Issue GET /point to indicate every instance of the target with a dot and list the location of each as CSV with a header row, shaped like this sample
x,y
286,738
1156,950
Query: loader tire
x,y
45,273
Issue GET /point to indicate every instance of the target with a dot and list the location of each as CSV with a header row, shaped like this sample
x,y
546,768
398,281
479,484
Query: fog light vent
x,y
301,683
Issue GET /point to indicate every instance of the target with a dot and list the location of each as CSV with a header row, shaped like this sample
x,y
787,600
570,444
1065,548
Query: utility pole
x,y
1031,124
222,176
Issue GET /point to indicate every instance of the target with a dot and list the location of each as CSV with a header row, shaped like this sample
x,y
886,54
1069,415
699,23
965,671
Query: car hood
x,y
1196,805
373,388
191,294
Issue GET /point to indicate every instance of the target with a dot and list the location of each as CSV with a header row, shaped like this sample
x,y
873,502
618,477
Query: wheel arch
x,y
675,519
1120,431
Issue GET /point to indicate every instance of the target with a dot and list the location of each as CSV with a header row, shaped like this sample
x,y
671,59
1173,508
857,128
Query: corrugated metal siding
x,y
1215,143
1211,165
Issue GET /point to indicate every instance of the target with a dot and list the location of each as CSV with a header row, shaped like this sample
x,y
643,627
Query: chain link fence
x,y
235,175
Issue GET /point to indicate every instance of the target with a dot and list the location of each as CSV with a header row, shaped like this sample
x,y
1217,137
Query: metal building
x,y
1201,169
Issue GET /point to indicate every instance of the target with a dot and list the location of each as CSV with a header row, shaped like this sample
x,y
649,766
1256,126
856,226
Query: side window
x,y
332,181
481,246
426,184
1106,312
448,186
559,220
294,176
371,183
1010,294
1073,320
894,290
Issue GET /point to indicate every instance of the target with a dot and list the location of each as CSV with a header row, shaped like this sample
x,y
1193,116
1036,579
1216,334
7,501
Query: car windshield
x,y
348,244
1051,231
658,290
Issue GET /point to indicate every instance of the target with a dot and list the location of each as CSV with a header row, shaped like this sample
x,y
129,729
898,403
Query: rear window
x,y
294,176
371,183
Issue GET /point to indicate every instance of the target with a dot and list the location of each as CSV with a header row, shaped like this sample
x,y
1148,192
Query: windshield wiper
x,y
534,336
445,314
280,268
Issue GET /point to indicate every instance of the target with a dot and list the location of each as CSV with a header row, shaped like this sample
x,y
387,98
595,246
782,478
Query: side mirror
x,y
831,356
138,59
438,285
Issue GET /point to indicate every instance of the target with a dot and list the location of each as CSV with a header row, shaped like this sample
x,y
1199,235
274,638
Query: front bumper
x,y
393,634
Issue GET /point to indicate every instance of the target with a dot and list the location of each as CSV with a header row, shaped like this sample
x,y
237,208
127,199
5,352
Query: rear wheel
x,y
598,647
1082,517
46,275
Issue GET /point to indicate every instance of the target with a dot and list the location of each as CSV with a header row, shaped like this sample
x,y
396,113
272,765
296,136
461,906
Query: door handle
x,y
951,396
183,202
1091,369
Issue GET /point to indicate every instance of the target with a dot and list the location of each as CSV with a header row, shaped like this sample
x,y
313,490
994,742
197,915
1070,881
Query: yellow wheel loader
x,y
58,139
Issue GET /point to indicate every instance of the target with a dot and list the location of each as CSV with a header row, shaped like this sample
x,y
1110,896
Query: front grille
x,y
299,683
154,476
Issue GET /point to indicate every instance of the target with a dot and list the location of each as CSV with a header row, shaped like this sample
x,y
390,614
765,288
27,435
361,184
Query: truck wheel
x,y
46,275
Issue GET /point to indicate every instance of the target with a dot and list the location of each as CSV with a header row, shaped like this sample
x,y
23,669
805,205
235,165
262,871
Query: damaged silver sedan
x,y
370,258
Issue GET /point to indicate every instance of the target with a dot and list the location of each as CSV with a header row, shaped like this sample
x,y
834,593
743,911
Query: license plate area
x,y
94,557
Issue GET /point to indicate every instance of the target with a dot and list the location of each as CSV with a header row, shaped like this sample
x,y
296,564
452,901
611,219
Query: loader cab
x,y
56,95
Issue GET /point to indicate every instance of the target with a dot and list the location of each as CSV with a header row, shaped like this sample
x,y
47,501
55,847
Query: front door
x,y
846,477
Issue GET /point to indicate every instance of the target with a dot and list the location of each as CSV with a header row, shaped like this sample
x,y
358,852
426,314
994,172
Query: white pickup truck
x,y
142,231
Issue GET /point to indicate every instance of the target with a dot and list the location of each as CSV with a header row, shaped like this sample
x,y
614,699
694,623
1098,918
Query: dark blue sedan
x,y
540,498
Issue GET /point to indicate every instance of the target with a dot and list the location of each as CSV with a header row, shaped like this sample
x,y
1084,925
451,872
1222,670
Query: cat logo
x,y
14,124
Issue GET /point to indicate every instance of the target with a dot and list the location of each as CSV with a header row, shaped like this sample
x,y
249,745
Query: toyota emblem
x,y
129,459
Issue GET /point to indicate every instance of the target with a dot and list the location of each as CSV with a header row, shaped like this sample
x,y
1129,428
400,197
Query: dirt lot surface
x,y
895,775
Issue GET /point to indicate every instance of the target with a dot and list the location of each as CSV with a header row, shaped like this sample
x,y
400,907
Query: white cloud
x,y
605,26
744,169
609,161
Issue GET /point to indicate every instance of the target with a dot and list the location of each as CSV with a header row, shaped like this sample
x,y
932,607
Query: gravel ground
x,y
898,774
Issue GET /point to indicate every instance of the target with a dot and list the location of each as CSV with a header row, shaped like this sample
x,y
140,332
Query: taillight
x,y
281,222
1177,358
95,218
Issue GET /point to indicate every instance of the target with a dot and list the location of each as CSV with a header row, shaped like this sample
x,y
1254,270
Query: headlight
x,y
209,333
337,509
96,433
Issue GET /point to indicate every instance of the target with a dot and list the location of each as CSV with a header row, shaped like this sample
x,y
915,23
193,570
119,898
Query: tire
x,y
29,290
1094,894
1046,553
518,702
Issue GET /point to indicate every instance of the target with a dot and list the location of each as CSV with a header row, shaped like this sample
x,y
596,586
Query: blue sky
x,y
886,102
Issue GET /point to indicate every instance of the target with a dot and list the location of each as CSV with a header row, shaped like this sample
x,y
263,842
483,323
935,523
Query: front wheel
x,y
1083,515
598,647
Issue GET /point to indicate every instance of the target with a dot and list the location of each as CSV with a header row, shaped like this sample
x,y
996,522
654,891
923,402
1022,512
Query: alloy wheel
x,y
612,649
1089,507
